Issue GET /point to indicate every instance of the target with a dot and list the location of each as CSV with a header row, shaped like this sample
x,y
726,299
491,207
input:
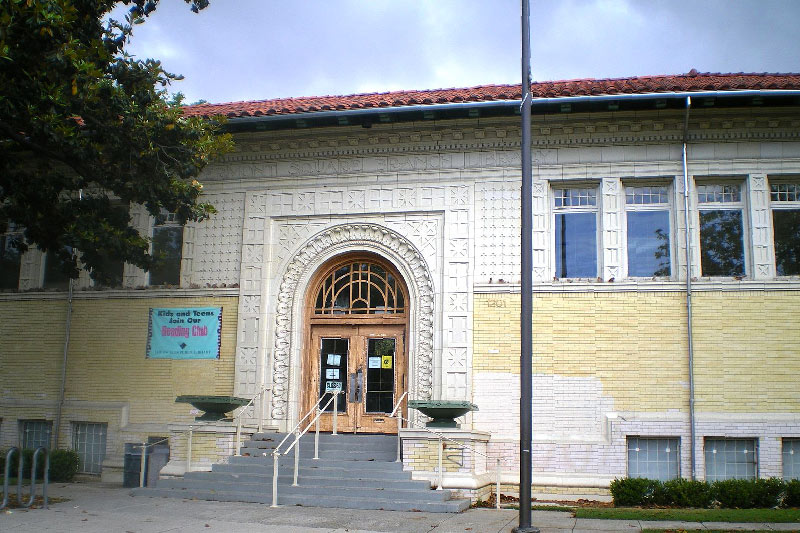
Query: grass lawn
x,y
691,515
713,530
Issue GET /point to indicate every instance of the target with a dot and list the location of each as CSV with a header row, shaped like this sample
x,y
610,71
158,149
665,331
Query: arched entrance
x,y
356,317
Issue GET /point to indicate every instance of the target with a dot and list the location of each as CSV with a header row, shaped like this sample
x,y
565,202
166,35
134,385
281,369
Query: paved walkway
x,y
104,508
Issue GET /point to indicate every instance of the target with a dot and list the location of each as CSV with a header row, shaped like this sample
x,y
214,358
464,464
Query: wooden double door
x,y
367,364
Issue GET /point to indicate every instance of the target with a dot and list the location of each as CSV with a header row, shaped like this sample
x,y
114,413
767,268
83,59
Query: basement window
x,y
791,459
34,433
89,441
730,458
654,457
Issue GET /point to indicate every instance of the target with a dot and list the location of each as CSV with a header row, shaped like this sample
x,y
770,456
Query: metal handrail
x,y
276,453
399,425
238,417
443,438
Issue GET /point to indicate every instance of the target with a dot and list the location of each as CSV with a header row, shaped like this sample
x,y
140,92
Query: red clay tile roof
x,y
690,82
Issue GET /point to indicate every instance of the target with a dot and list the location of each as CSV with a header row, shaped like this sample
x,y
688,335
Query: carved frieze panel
x,y
217,242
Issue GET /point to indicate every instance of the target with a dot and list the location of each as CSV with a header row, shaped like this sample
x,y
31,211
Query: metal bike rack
x,y
41,450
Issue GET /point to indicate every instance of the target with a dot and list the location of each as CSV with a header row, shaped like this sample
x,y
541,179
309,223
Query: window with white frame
x,y
167,250
10,258
647,210
721,217
730,458
34,433
654,457
791,458
785,204
89,441
575,211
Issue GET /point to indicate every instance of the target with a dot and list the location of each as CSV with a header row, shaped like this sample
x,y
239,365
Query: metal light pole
x,y
526,289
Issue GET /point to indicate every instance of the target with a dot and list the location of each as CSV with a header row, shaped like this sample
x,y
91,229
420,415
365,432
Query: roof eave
x,y
537,103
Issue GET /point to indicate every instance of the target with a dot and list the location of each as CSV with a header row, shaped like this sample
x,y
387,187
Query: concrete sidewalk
x,y
104,508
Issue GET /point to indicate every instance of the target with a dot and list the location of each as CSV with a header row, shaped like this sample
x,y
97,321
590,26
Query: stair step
x,y
316,463
288,469
336,500
305,487
287,478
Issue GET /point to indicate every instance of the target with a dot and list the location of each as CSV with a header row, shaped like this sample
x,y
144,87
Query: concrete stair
x,y
352,472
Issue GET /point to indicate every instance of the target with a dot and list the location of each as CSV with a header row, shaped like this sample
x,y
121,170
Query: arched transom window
x,y
359,287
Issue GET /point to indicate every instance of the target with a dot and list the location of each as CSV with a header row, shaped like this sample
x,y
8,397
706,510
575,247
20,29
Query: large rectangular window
x,y
34,433
721,229
167,251
55,273
9,259
730,458
791,459
89,441
654,458
648,230
785,204
576,232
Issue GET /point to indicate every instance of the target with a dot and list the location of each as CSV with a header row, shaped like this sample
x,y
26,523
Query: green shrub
x,y
686,493
749,493
768,492
632,491
64,465
792,495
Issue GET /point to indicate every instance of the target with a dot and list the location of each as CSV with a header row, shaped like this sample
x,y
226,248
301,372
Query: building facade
x,y
374,239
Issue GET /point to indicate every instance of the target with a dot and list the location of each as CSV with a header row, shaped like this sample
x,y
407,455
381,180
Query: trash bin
x,y
132,464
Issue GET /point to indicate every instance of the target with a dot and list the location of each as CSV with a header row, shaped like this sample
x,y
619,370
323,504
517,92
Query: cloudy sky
x,y
259,49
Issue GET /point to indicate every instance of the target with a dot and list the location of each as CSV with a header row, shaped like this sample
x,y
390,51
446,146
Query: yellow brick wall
x,y
746,346
106,358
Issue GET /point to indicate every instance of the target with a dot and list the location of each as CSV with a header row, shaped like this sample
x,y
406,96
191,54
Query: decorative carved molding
x,y
302,260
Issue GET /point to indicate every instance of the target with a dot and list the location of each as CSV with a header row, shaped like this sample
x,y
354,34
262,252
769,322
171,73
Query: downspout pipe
x,y
64,366
688,249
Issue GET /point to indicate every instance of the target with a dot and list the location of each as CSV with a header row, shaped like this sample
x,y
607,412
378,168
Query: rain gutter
x,y
536,102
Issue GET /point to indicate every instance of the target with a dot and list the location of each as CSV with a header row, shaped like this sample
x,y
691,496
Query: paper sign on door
x,y
374,362
333,386
331,373
386,361
334,359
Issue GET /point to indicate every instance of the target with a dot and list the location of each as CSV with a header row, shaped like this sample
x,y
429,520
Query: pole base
x,y
529,529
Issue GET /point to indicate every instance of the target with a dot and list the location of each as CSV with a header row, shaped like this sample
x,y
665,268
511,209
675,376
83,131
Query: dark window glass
x,y
167,245
576,245
648,243
113,269
55,277
380,375
721,242
786,227
9,263
333,372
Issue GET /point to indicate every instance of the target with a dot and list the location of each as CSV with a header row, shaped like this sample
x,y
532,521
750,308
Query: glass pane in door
x,y
333,371
380,375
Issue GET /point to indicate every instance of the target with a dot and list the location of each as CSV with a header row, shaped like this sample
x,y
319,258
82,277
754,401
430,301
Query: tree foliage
x,y
87,130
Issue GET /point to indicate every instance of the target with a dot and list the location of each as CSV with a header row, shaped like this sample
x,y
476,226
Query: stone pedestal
x,y
465,465
195,447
